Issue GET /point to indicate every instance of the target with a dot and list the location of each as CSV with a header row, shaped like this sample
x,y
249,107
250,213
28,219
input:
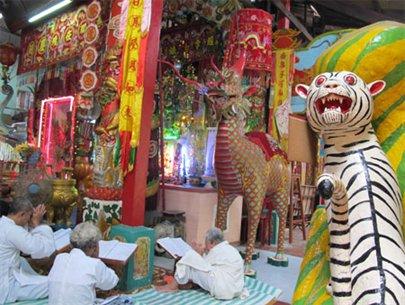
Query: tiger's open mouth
x,y
333,102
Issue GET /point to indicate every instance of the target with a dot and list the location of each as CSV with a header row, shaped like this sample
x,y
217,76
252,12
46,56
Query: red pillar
x,y
133,205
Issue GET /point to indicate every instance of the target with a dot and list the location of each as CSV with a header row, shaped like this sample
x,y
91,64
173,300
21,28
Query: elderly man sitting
x,y
75,275
18,281
217,268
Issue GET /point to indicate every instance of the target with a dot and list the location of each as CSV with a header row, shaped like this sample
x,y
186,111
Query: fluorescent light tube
x,y
1,15
49,10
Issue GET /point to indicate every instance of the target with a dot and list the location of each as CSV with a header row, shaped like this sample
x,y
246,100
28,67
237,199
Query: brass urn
x,y
64,199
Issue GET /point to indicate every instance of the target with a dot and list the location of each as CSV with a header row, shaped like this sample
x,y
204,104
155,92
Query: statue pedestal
x,y
200,207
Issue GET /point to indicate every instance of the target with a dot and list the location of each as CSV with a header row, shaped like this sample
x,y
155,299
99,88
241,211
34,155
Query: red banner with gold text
x,y
62,37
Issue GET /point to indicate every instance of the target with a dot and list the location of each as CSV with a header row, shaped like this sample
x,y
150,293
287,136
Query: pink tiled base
x,y
200,212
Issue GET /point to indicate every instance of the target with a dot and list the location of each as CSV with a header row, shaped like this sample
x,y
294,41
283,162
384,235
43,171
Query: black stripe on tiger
x,y
342,293
341,279
355,143
344,246
361,239
351,152
339,233
357,204
364,256
367,292
389,222
352,225
398,199
392,295
347,167
339,262
360,274
351,181
375,227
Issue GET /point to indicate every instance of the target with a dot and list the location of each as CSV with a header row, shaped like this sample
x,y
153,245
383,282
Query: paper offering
x,y
115,250
62,238
177,247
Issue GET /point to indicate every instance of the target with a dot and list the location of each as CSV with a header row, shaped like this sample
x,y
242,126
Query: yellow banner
x,y
281,95
132,73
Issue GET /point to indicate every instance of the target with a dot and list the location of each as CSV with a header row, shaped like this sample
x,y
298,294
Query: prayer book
x,y
62,238
176,247
115,250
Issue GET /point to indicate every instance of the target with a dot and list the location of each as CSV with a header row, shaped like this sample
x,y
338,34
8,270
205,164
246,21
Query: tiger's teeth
x,y
340,100
338,109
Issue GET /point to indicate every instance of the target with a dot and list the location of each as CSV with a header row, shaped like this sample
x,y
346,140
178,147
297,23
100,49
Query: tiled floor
x,y
296,248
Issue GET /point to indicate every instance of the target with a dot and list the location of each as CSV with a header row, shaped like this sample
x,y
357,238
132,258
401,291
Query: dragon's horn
x,y
192,82
216,69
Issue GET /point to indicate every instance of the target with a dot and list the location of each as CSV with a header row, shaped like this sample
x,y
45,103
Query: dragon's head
x,y
227,96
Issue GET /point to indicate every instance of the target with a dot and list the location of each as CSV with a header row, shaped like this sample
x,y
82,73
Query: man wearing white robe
x,y
75,276
219,271
18,281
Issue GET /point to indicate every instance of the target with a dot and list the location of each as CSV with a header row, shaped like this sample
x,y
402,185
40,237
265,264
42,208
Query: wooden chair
x,y
301,206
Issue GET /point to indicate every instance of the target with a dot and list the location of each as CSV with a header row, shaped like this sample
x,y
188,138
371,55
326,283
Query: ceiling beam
x,y
292,18
353,10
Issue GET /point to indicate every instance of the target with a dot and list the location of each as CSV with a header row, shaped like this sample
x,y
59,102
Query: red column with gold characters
x,y
136,134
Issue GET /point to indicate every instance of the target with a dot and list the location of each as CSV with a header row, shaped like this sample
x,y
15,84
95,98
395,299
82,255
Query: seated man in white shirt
x,y
219,270
75,276
18,281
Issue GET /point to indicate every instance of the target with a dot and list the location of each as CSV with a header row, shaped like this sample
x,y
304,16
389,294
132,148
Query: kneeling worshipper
x,y
217,268
75,276
18,281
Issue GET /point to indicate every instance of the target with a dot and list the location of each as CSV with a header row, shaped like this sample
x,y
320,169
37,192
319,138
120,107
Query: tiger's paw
x,y
329,185
326,186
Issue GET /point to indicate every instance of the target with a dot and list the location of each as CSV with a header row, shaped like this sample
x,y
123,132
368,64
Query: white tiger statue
x,y
367,252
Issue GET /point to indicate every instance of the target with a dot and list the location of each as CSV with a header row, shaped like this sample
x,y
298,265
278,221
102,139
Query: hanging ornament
x,y
89,56
93,10
88,80
91,34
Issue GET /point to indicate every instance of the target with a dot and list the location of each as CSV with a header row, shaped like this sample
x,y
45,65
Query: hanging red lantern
x,y
8,54
250,31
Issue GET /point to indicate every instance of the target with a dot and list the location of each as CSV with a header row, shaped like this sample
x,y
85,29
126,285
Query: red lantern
x,y
250,30
8,54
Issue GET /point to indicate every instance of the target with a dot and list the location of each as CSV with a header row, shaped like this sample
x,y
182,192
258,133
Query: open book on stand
x,y
176,247
62,238
115,250
108,249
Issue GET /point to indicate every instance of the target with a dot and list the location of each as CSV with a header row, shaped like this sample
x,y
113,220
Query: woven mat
x,y
260,294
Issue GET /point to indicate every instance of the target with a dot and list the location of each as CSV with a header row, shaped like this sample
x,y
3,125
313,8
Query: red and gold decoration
x,y
93,10
250,31
89,56
132,72
218,11
88,81
91,34
285,42
56,132
64,37
198,42
8,56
